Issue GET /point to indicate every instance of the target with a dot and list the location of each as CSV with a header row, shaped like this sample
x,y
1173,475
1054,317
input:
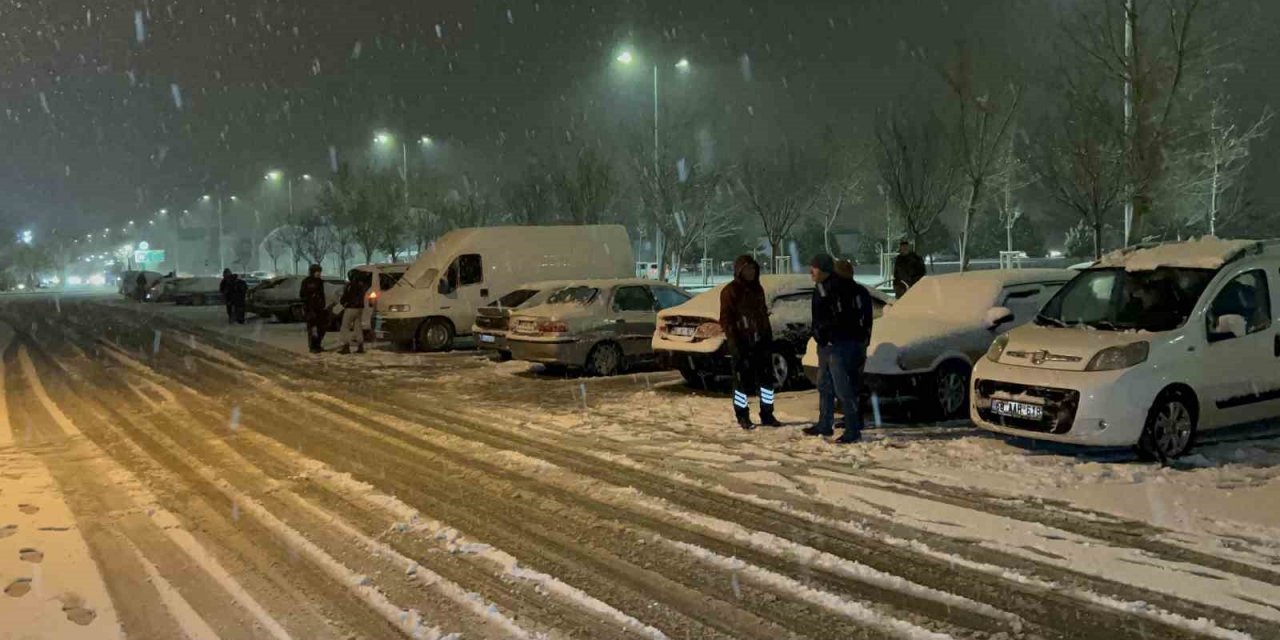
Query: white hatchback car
x,y
925,346
1147,347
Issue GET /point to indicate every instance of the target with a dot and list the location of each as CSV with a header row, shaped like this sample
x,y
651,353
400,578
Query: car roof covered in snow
x,y
1208,252
1009,277
606,283
707,303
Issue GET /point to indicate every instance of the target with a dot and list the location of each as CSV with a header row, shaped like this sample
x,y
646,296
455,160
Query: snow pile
x,y
1208,252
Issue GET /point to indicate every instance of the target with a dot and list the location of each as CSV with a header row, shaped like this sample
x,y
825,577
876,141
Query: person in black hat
x,y
842,314
315,308
908,269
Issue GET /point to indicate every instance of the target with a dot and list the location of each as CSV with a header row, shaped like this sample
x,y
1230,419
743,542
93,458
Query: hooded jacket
x,y
842,311
744,310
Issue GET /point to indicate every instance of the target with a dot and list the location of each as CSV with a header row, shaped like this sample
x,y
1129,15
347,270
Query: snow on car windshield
x,y
574,295
962,299
514,299
1117,299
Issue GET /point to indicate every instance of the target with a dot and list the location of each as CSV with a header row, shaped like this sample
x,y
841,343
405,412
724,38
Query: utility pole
x,y
222,262
1130,66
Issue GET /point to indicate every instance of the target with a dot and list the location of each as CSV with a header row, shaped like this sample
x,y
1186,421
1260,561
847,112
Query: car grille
x,y
1059,406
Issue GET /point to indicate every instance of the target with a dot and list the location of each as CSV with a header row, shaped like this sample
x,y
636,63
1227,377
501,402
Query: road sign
x,y
153,256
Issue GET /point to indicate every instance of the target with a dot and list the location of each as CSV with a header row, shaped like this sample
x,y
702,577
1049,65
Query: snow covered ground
x,y
527,504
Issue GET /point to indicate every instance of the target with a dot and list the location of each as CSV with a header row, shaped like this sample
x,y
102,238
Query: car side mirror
x,y
445,287
997,317
1229,326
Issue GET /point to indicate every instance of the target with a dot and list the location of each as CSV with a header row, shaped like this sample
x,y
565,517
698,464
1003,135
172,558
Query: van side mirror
x,y
998,316
445,288
1229,326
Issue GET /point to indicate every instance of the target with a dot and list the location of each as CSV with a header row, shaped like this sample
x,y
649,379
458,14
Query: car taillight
x,y
553,327
373,295
708,330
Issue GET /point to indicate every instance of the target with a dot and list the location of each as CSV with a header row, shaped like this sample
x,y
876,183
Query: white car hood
x,y
1061,349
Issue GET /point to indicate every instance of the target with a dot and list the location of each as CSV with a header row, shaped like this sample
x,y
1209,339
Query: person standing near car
x,y
141,290
238,297
908,269
842,316
353,302
744,317
224,288
314,308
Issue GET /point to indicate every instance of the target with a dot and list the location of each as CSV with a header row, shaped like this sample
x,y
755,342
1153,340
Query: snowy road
x,y
227,486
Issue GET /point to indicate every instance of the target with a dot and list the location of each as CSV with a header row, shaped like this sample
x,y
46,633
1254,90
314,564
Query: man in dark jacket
x,y
314,308
237,298
908,268
141,286
842,314
744,317
353,301
224,288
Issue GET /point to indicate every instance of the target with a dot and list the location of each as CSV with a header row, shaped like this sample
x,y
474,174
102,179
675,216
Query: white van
x,y
466,269
1147,347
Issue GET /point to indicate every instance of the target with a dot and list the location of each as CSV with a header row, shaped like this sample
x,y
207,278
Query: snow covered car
x,y
197,291
689,338
279,297
494,319
925,346
1148,347
600,326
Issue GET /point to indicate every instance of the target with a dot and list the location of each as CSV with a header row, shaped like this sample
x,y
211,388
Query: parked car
x,y
1147,348
279,297
467,269
494,319
925,346
600,326
197,291
689,337
378,279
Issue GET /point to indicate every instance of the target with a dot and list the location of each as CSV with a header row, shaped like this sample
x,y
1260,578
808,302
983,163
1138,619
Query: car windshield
x,y
574,295
1118,300
514,299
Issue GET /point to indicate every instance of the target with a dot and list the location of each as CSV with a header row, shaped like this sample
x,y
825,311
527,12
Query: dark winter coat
x,y
314,302
908,269
238,292
224,287
842,312
744,310
353,295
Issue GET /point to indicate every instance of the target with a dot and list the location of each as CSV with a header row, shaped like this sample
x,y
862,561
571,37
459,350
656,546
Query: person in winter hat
x,y
315,309
744,317
224,287
841,323
353,303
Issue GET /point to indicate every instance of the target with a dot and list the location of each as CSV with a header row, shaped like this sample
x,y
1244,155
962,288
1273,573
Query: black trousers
x,y
237,312
752,372
317,326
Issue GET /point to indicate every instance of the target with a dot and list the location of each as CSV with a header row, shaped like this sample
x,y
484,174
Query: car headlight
x,y
398,308
997,348
1115,358
708,330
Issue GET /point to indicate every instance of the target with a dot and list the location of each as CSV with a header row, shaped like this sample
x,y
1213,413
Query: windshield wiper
x,y
1057,322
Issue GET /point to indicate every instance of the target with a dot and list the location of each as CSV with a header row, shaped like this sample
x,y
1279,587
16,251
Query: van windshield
x,y
1119,300
574,295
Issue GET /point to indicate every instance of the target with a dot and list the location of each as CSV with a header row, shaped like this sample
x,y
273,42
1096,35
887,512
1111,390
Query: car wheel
x,y
785,369
604,360
435,334
1170,429
693,377
952,390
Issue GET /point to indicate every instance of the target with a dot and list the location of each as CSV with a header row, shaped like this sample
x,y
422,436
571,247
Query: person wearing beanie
x,y
744,318
315,308
842,315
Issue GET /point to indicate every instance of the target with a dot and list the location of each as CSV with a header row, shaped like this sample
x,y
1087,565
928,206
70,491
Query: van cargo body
x,y
467,269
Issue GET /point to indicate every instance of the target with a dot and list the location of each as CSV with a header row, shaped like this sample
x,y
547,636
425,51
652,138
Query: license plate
x,y
684,332
487,338
1011,409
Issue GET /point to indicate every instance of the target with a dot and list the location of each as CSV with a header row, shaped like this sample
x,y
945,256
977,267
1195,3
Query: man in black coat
x,y
842,315
315,308
744,317
224,288
908,269
237,298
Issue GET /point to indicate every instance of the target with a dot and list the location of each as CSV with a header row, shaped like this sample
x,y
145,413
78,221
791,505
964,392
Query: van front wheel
x,y
1170,429
435,334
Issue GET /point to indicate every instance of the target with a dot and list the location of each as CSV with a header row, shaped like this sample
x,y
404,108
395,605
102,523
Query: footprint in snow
x,y
34,556
8,530
76,612
18,588
28,509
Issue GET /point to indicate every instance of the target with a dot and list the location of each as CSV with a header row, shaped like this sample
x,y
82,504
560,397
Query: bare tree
x,y
275,246
1224,159
587,189
916,167
981,128
1081,162
1011,177
530,199
467,206
778,189
1155,49
683,197
316,239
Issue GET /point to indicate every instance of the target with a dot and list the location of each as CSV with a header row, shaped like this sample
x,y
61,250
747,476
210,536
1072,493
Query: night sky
x,y
115,109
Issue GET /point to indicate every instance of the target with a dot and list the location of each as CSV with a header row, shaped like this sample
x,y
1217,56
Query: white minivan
x,y
1147,347
466,269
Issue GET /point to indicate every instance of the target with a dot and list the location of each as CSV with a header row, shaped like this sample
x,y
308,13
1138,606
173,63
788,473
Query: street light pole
x,y
404,171
222,261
